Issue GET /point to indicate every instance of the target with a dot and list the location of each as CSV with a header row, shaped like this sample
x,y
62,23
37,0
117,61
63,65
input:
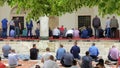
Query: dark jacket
x,y
75,50
96,22
29,25
114,23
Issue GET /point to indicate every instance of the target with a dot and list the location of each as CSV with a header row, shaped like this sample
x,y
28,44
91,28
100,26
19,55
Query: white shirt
x,y
50,64
56,32
69,32
108,23
12,59
46,56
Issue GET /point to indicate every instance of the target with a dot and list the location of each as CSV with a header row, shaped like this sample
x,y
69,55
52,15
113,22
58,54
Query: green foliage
x,y
37,8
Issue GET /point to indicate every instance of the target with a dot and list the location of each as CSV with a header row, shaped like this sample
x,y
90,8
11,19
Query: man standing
x,y
113,25
94,52
34,52
75,50
29,28
4,28
113,54
96,24
108,27
17,27
6,50
13,59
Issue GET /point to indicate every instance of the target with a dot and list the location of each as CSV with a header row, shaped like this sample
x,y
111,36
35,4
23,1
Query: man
x,y
46,55
69,33
94,52
84,33
34,52
114,26
67,60
86,61
60,52
11,25
108,27
75,50
4,28
113,54
50,63
29,26
13,59
96,24
76,33
6,50
56,33
17,27
1,64
61,30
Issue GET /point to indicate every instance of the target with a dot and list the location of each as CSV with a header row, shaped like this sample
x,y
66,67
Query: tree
x,y
37,8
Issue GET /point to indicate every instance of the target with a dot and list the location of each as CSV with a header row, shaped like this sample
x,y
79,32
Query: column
x,y
44,34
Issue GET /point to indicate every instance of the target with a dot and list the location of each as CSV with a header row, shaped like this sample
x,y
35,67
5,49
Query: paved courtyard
x,y
23,47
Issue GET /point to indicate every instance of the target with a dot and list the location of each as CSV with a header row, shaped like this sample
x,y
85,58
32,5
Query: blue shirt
x,y
4,23
93,50
75,50
12,33
60,53
84,34
6,50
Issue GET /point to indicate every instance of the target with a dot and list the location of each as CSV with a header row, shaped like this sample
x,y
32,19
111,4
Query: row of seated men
x,y
66,58
25,33
83,32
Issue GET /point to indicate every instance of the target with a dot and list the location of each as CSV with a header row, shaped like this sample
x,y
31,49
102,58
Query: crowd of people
x,y
71,58
15,29
110,30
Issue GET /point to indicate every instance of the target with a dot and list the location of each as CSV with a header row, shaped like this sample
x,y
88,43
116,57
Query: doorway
x,y
21,19
84,21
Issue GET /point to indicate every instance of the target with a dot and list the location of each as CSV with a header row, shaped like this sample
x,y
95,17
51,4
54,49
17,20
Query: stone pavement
x,y
23,47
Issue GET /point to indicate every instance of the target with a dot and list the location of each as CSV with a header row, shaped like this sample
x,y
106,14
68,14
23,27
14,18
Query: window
x,y
84,21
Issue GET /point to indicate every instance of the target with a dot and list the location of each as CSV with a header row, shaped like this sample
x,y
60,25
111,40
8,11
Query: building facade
x,y
82,17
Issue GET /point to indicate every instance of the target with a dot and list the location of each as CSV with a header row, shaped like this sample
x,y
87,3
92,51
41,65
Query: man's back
x,y
12,59
60,53
114,23
50,64
33,53
56,31
6,50
75,50
93,51
68,58
114,53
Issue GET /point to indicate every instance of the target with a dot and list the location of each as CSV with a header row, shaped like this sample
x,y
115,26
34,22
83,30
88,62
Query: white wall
x,y
68,20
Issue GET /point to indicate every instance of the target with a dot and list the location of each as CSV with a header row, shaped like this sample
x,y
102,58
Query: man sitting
x,y
84,33
113,54
13,59
12,33
69,33
56,33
